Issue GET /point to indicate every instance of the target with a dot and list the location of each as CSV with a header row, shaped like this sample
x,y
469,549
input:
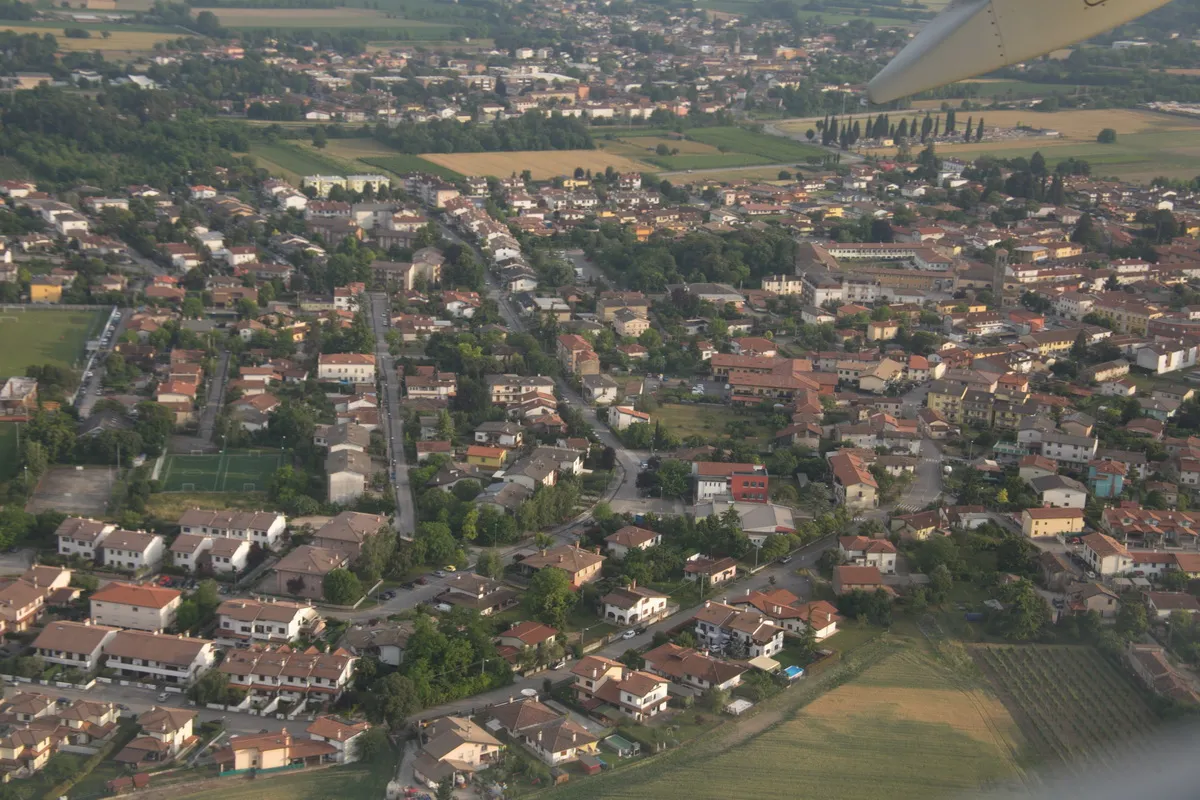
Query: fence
x,y
82,687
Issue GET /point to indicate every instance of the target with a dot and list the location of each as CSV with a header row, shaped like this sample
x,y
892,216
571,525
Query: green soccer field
x,y
45,337
220,472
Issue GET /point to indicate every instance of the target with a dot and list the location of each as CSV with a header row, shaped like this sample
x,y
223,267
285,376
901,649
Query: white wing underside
x,y
972,37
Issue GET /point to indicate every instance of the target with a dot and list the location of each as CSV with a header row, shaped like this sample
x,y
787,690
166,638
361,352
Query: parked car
x,y
441,573
785,560
422,580
629,634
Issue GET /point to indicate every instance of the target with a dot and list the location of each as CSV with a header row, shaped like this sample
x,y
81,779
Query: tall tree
x,y
550,597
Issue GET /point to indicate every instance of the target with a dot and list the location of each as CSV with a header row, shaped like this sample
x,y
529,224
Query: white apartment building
x,y
1072,449
73,644
79,536
133,550
143,608
346,367
264,528
244,621
157,658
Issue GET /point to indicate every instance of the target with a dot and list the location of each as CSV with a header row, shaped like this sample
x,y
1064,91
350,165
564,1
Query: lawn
x,y
356,782
892,717
44,337
8,450
220,472
1070,702
709,421
171,505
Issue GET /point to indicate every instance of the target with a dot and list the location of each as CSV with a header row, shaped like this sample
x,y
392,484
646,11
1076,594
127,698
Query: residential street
x,y
216,394
391,422
927,486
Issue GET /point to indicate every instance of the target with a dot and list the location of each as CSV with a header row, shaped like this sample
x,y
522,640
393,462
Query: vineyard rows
x,y
1071,702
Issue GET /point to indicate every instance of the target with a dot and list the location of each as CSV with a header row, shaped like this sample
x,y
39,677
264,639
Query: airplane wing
x,y
971,37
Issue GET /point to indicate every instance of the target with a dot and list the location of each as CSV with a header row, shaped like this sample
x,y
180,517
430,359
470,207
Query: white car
x,y
90,374
629,634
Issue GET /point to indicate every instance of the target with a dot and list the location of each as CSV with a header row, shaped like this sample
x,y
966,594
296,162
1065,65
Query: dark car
x,y
422,580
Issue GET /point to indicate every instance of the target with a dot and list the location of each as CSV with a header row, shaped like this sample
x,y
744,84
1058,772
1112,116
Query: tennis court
x,y
234,471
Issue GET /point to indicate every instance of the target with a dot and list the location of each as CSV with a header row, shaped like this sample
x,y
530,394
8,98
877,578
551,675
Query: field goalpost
x,y
187,487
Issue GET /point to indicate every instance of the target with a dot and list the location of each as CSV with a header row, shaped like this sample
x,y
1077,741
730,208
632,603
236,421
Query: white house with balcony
x,y
633,604
244,621
159,658
73,644
264,528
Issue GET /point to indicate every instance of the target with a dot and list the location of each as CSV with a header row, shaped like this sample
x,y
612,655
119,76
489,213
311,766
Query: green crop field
x,y
905,722
1069,701
738,140
44,337
706,161
716,148
402,163
1138,157
233,471
291,161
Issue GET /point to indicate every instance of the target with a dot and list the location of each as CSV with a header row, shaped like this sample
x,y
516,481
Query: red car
x,y
164,580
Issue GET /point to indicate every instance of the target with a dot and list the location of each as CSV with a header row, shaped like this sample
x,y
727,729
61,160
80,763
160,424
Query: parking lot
x,y
82,491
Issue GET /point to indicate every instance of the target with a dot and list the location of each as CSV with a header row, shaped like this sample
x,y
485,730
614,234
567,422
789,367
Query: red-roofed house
x,y
864,551
601,683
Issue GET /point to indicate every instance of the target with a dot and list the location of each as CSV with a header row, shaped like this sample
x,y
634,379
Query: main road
x,y
390,420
